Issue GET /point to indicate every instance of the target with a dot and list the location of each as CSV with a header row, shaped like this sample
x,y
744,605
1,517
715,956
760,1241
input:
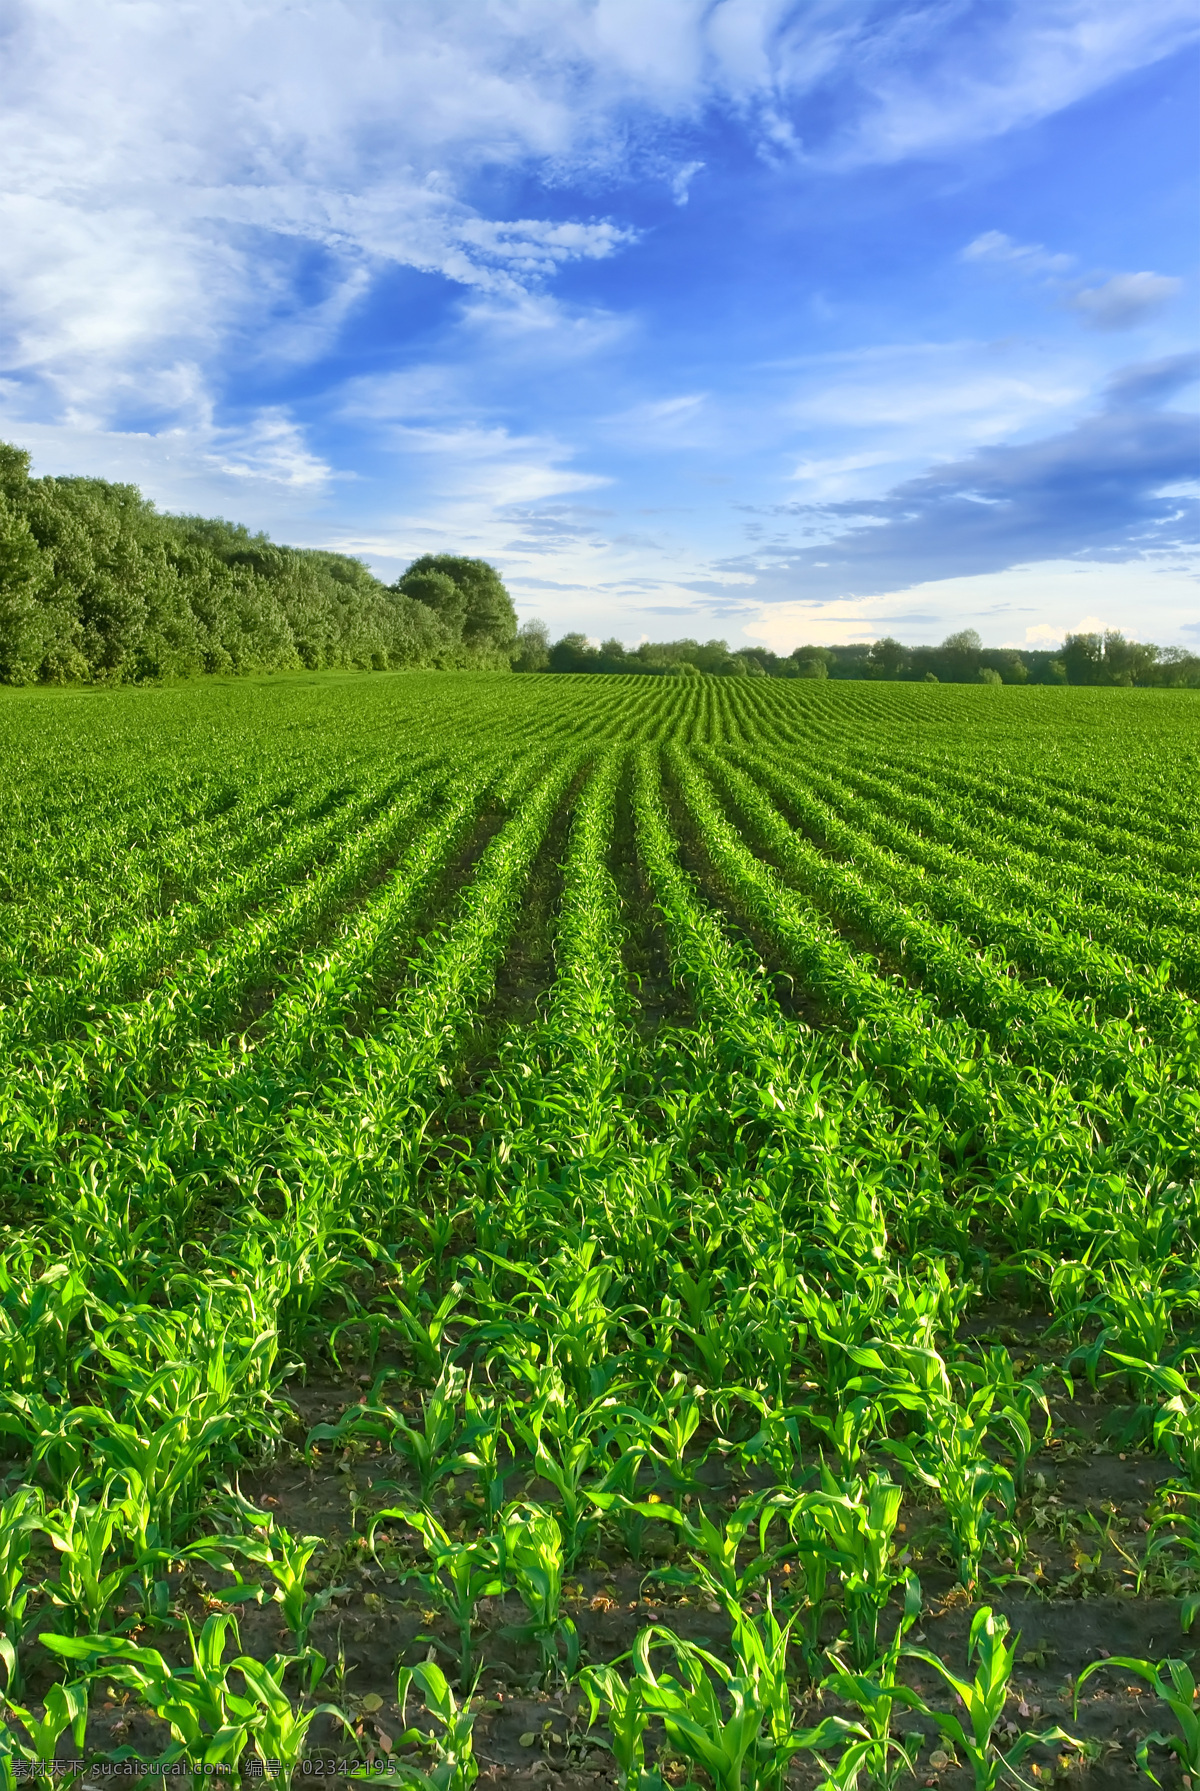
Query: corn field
x,y
602,1230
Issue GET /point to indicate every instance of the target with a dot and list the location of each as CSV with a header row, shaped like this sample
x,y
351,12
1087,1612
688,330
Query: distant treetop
x,y
962,658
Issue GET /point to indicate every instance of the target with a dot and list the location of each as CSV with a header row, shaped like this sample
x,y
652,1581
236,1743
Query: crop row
x,y
682,1269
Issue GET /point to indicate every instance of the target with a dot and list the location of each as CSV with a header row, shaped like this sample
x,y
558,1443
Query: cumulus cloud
x,y
1124,301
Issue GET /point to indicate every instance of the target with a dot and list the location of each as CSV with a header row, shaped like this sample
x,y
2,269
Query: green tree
x,y
24,619
573,653
959,656
1083,656
96,584
887,658
531,652
438,592
481,608
1128,662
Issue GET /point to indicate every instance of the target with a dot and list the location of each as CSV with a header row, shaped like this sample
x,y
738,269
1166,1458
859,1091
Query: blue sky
x,y
782,322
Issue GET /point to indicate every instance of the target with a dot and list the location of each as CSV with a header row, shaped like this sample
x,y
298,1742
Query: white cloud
x,y
1125,300
168,167
679,422
933,395
1043,634
165,161
995,247
682,179
263,465
1118,303
271,448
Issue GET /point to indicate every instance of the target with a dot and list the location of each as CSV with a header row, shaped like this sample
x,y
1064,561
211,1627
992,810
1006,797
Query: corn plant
x,y
1175,1420
451,1741
628,1718
211,1724
90,1579
812,1564
428,1448
982,1702
531,1560
280,1730
978,1494
713,1550
668,1429
857,1522
734,1722
1175,1530
482,1448
32,1759
571,1452
459,1575
267,1544
164,1461
874,1694
1173,1683
20,1515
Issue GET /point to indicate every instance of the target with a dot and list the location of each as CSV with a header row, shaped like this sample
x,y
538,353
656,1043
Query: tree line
x,y
962,658
96,585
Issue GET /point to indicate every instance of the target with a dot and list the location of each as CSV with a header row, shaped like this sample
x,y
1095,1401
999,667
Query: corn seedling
x,y
212,1725
32,1759
427,1447
982,1701
531,1560
857,1521
1174,1684
451,1741
627,1720
460,1574
90,1579
20,1516
736,1723
874,1694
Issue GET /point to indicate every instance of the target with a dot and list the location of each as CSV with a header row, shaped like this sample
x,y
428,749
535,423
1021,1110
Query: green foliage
x,y
211,1723
470,600
97,585
961,659
65,1712
451,1741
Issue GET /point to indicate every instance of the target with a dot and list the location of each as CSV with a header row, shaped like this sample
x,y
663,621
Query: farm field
x,y
664,1208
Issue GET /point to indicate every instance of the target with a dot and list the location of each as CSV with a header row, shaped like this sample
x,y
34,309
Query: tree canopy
x,y
98,585
470,597
961,658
